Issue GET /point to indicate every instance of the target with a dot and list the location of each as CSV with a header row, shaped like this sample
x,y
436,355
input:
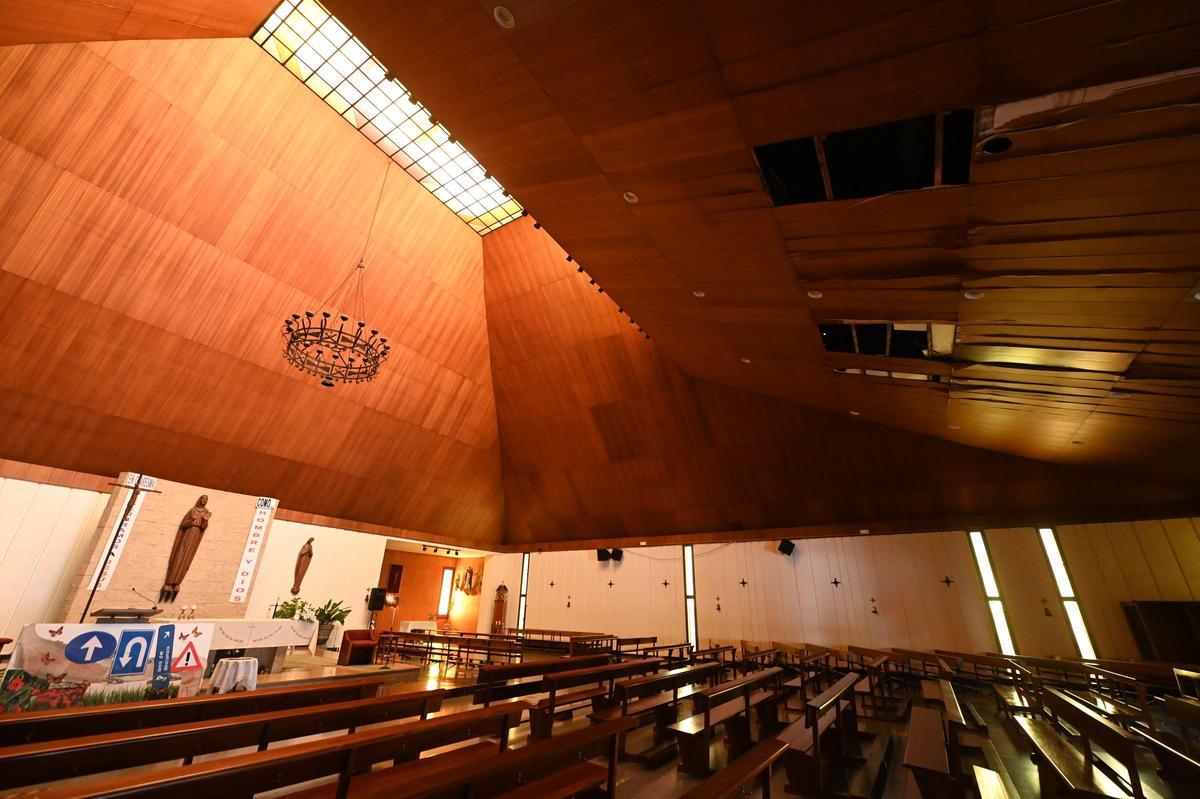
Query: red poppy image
x,y
16,684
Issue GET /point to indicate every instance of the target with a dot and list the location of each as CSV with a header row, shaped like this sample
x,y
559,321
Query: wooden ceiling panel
x,y
43,21
152,247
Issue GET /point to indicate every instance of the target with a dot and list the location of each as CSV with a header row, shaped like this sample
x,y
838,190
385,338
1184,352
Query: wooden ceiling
x,y
37,21
603,437
1082,236
163,207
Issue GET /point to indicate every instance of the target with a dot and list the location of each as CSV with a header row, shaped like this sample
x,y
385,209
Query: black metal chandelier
x,y
327,343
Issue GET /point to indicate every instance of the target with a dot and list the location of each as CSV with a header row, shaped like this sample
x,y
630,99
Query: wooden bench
x,y
635,645
925,756
495,683
922,665
28,764
592,644
721,654
1178,756
982,668
1062,765
810,670
655,699
991,785
827,733
594,684
554,640
348,757
51,725
739,775
727,704
672,653
760,659
1022,695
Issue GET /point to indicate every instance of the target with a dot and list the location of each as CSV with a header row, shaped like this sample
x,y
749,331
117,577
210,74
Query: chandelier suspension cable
x,y
356,294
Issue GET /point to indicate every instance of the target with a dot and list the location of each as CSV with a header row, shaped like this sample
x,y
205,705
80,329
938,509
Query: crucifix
x,y
138,490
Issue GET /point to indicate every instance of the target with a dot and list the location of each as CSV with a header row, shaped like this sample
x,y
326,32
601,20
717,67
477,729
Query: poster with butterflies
x,y
71,665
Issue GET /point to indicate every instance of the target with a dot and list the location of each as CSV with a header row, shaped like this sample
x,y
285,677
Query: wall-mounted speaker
x,y
377,600
618,553
603,554
786,547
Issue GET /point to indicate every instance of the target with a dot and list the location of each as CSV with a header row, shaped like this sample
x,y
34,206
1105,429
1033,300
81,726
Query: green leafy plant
x,y
295,608
332,611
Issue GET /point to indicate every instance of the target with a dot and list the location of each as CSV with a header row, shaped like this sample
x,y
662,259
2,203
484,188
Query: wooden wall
x,y
419,586
164,205
603,436
792,598
33,21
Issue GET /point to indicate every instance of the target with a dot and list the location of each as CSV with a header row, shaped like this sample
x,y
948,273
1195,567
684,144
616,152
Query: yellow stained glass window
x,y
319,50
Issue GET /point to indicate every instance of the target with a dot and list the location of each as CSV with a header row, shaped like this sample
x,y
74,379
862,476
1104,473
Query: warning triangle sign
x,y
188,660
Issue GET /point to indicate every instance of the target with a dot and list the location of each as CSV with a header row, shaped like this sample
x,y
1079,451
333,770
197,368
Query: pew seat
x,y
563,784
732,780
1066,765
925,755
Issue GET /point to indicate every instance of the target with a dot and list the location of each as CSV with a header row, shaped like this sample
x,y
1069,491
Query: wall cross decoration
x,y
551,583
665,583
718,604
743,583
947,581
836,583
610,583
568,600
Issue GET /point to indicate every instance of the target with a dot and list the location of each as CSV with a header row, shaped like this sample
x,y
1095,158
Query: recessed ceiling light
x,y
1196,295
697,293
630,197
1077,441
997,145
815,295
972,294
504,17
954,427
854,413
1117,393
641,543
744,359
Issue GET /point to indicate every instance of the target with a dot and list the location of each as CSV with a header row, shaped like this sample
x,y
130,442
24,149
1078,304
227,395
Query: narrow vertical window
x,y
524,588
689,595
992,590
444,594
1062,579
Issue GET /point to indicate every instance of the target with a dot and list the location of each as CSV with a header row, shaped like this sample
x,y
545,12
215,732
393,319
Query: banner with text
x,y
252,552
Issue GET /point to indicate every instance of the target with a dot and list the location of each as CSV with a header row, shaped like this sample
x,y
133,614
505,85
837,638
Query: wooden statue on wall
x,y
303,558
187,541
499,608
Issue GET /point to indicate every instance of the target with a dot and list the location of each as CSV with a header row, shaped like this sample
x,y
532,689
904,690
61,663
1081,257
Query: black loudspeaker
x,y
602,554
786,548
618,553
377,600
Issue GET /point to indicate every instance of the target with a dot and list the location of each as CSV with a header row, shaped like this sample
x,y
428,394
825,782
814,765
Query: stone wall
x,y
143,562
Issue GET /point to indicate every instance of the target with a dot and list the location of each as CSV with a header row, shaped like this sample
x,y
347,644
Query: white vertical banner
x,y
264,509
115,543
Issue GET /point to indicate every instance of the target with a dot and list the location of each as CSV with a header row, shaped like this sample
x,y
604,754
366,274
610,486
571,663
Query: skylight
x,y
321,51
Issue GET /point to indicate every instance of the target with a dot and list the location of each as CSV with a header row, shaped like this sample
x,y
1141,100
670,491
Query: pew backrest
x,y
49,725
741,688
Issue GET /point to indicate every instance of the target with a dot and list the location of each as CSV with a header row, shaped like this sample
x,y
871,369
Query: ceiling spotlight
x,y
504,18
744,359
600,289
1077,441
1196,295
854,413
697,293
630,197
570,258
972,294
537,225
954,427
813,294
579,268
424,548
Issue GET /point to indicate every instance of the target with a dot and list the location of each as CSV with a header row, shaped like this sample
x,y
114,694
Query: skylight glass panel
x,y
321,52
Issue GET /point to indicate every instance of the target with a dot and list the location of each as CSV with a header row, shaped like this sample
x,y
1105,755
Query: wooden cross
x,y
665,583
551,583
610,583
947,581
743,583
836,583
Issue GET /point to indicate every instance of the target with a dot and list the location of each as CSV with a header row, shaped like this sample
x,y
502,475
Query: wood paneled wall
x,y
603,436
45,537
34,21
164,205
792,598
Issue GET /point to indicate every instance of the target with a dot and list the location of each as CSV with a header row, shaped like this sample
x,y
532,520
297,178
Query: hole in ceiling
x,y
997,145
918,340
868,162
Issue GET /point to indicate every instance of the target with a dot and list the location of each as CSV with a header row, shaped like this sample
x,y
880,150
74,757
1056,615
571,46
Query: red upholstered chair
x,y
358,648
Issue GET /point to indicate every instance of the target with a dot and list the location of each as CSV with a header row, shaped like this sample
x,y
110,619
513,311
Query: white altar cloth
x,y
259,633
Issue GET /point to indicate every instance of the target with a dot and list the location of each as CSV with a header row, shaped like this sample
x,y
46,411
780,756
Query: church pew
x,y
759,659
655,698
925,756
923,665
827,733
594,684
722,654
727,704
592,644
348,757
1022,695
1177,755
635,645
494,683
29,764
739,775
555,640
982,667
49,725
1062,764
673,653
991,785
952,714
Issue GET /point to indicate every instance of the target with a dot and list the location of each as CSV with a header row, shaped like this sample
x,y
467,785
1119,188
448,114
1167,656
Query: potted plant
x,y
295,608
327,614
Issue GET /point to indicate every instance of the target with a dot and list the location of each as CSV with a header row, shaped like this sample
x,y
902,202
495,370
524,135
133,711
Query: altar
x,y
265,639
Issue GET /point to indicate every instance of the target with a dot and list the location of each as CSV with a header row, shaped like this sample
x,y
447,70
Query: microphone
x,y
153,604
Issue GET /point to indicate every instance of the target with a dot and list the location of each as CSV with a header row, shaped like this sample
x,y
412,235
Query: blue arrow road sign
x,y
163,652
90,647
132,653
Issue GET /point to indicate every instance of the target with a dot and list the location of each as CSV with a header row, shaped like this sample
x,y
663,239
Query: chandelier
x,y
335,346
